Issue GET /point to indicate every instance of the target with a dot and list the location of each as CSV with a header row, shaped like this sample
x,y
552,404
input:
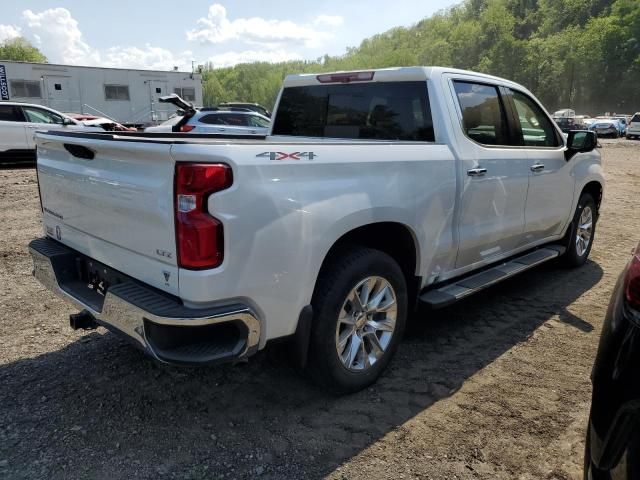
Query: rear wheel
x,y
360,308
581,232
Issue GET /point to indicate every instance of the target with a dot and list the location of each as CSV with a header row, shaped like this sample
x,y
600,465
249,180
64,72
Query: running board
x,y
465,286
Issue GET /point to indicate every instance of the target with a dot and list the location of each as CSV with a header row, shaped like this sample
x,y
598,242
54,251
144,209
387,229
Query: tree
x,y
583,54
20,50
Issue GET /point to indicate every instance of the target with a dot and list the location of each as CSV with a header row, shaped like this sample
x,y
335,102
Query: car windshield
x,y
636,118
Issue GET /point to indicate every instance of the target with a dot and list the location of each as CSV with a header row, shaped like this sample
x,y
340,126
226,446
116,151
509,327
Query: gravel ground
x,y
496,387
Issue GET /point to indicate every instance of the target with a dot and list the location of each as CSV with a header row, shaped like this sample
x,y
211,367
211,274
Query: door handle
x,y
477,172
538,167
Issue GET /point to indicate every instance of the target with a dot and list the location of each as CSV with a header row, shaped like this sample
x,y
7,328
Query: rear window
x,y
636,118
378,111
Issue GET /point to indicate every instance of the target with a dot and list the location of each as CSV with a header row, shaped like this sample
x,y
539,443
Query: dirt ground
x,y
496,387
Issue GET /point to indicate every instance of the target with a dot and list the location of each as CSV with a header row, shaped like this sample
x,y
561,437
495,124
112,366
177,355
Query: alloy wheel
x,y
366,323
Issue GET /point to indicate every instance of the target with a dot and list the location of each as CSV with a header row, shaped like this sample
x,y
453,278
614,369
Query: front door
x,y
551,184
495,176
40,119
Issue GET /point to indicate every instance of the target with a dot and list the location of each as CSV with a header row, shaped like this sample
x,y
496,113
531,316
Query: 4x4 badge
x,y
166,275
287,156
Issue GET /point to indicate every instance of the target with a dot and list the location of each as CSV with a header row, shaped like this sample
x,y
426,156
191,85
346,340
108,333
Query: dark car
x,y
613,437
567,124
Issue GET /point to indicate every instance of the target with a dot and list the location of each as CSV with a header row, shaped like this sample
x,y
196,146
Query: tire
x,y
578,250
343,355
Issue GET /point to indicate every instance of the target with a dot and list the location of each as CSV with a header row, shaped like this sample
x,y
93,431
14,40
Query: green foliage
x,y
20,50
582,54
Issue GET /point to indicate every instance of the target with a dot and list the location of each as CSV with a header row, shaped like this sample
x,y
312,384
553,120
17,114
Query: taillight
x,y
346,77
199,236
186,128
632,281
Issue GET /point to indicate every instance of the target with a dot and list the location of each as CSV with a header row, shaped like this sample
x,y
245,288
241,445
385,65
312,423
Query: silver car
x,y
218,121
212,120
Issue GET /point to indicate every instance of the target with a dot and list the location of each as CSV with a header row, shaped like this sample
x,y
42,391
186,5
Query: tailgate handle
x,y
80,151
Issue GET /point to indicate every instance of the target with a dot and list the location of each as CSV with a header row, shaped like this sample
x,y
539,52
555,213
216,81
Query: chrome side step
x,y
465,286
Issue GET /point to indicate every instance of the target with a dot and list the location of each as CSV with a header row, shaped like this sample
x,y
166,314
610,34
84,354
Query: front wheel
x,y
360,309
581,232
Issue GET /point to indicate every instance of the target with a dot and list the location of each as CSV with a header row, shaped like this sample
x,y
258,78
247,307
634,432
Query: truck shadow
x,y
98,408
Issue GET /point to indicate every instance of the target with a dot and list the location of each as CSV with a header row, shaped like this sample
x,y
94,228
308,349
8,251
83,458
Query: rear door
x,y
495,174
551,185
13,135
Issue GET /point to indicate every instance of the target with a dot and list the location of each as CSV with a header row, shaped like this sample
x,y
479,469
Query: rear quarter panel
x,y
281,217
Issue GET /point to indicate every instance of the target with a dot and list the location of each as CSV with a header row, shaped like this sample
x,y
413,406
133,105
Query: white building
x,y
128,96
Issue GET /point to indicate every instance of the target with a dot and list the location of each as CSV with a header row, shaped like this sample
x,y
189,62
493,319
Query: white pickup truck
x,y
375,191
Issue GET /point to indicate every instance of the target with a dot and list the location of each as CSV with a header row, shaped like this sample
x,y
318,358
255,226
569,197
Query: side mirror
x,y
67,121
580,141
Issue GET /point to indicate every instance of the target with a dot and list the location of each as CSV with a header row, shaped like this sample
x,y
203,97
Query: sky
x,y
157,35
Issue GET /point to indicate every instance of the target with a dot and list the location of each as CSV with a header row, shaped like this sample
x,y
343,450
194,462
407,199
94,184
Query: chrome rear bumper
x,y
158,323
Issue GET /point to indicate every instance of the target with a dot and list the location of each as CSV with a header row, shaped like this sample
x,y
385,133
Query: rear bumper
x,y
158,323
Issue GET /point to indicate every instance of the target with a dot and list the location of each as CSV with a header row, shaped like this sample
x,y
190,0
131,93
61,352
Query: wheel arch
x,y
595,189
395,239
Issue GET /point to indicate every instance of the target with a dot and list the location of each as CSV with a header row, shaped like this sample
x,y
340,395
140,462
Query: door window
x,y
36,115
536,128
211,119
483,116
256,121
234,119
9,113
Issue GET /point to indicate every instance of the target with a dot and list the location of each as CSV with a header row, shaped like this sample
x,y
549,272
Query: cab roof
x,y
393,74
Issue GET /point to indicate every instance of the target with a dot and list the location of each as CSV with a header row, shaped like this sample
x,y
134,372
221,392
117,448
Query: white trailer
x,y
127,96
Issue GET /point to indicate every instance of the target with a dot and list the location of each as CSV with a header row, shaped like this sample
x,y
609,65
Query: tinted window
x,y
636,118
116,92
25,88
537,129
9,113
234,119
483,116
381,111
211,120
36,115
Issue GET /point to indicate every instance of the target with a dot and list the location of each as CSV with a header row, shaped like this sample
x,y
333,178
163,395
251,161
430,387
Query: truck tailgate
x,y
116,207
